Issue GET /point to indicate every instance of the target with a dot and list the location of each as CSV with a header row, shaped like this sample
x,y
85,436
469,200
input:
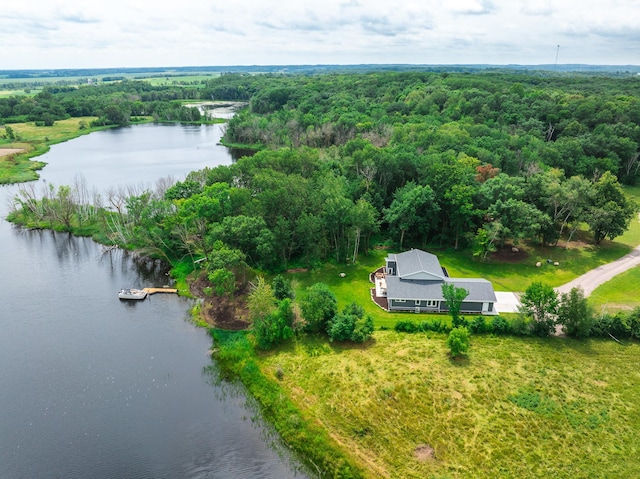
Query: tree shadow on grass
x,y
460,361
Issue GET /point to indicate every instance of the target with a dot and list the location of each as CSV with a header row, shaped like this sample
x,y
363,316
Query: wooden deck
x,y
382,302
379,300
160,290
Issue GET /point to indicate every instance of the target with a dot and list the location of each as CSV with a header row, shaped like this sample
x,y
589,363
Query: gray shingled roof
x,y
480,290
416,261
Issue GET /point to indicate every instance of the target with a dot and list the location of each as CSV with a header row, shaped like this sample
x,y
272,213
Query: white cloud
x,y
65,34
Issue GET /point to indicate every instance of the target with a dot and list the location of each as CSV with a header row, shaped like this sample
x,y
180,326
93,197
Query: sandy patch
x,y
10,151
424,452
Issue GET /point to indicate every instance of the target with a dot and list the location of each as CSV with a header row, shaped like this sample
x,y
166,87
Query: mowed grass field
x,y
514,408
622,293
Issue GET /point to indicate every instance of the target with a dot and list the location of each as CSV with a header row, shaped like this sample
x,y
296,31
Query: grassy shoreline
x,y
306,436
36,141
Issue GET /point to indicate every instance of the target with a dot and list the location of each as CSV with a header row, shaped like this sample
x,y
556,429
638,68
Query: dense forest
x,y
113,103
448,159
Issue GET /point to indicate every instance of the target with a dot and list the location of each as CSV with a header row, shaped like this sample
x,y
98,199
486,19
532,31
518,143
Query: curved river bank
x,y
96,387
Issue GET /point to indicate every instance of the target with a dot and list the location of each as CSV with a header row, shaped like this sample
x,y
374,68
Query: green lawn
x,y
504,275
515,408
620,293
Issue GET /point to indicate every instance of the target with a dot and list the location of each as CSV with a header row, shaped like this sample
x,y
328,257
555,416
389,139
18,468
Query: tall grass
x,y
515,408
305,435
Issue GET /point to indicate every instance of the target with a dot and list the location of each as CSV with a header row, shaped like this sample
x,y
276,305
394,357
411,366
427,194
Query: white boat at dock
x,y
132,294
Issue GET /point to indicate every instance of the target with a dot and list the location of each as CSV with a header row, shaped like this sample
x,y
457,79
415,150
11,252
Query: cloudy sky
x,y
127,33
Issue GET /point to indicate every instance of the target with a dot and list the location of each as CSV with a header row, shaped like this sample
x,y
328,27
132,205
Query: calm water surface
x,y
91,386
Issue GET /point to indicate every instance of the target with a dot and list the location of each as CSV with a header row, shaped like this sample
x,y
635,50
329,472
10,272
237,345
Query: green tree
x,y
223,281
611,212
282,288
458,341
364,222
454,297
575,314
224,265
540,305
461,209
412,209
261,301
352,324
486,238
318,307
271,325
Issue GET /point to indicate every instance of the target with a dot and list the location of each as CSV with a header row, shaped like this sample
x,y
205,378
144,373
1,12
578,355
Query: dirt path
x,y
10,151
594,278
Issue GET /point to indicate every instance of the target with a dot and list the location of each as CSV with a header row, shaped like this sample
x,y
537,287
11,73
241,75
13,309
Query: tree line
x,y
111,103
414,158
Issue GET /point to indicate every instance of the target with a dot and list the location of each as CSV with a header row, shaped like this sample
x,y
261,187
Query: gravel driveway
x,y
594,278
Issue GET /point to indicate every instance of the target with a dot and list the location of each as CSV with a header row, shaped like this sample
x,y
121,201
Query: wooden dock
x,y
160,290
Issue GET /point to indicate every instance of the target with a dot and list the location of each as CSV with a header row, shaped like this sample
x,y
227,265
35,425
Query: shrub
x,y
617,325
282,288
478,325
352,324
341,327
521,327
575,314
633,320
499,326
363,329
318,308
458,341
408,327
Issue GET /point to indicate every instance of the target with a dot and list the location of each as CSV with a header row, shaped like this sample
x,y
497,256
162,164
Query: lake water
x,y
91,386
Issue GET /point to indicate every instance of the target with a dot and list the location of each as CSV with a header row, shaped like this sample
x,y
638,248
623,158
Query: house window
x,y
432,303
400,300
418,302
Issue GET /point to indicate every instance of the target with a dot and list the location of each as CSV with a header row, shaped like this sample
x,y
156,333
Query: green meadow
x,y
513,408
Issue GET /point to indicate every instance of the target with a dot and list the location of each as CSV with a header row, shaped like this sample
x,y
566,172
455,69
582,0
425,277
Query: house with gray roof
x,y
412,281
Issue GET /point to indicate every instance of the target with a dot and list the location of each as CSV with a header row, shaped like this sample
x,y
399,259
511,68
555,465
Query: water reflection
x,y
237,153
96,387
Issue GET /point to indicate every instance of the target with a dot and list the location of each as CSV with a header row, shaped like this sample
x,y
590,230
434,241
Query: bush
x,y
634,323
499,326
341,327
282,288
363,330
458,341
616,325
318,308
352,324
575,314
520,326
438,326
478,325
408,327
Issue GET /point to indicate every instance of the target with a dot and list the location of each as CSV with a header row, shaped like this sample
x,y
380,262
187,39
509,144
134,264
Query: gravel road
x,y
594,278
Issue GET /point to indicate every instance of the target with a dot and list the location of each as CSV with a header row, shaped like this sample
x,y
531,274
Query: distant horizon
x,y
563,66
59,34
